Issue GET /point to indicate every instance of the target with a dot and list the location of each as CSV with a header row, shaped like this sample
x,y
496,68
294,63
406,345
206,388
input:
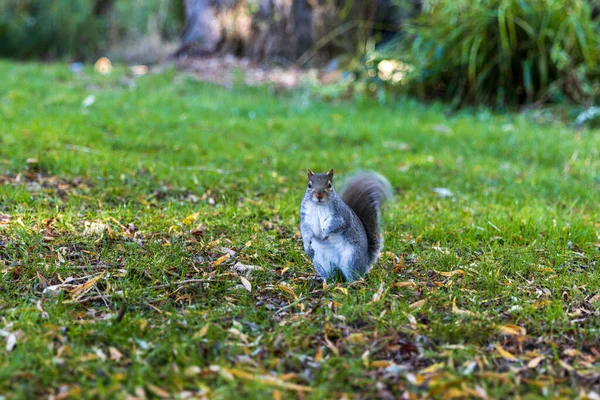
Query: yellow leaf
x,y
433,368
190,218
417,304
202,332
457,310
85,286
356,338
277,395
365,358
448,274
342,289
511,329
287,289
220,260
319,355
380,364
504,353
540,303
534,362
246,283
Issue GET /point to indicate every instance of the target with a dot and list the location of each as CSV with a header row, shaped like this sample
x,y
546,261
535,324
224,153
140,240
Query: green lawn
x,y
127,226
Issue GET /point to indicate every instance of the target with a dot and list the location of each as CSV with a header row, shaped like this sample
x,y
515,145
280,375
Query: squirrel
x,y
342,232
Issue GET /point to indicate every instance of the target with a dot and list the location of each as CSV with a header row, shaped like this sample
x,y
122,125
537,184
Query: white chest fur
x,y
335,252
318,217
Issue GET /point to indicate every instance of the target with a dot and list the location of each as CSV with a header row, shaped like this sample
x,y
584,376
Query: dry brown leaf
x,y
262,379
287,289
448,274
246,283
504,353
458,311
162,393
319,355
511,329
566,366
331,346
534,362
595,298
5,219
380,364
417,304
405,284
378,294
115,354
79,290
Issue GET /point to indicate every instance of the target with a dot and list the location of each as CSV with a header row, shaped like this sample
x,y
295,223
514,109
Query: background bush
x,y
500,52
51,29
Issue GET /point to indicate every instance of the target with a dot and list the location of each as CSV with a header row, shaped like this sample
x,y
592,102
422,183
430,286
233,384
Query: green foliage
x,y
49,28
155,182
500,52
70,28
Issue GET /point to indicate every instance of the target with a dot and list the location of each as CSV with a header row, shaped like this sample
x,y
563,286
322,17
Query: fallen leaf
x,y
220,260
378,294
94,228
11,342
458,311
534,362
202,332
331,346
433,368
380,364
511,329
87,285
448,274
405,284
319,354
504,353
246,283
115,354
566,366
190,218
277,395
5,219
417,304
163,394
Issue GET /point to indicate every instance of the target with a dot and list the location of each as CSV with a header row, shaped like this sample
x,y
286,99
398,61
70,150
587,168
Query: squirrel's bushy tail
x,y
365,193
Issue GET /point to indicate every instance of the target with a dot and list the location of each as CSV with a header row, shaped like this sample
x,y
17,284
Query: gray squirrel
x,y
342,232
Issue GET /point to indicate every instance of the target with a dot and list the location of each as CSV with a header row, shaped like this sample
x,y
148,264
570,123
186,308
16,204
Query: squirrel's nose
x,y
319,195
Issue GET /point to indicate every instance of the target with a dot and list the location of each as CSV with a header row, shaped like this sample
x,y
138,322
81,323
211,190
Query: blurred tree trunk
x,y
286,31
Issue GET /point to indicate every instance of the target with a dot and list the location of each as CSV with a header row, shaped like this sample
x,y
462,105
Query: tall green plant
x,y
500,52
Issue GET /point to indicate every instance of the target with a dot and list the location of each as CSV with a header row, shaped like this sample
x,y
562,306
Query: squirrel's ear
x,y
310,173
330,173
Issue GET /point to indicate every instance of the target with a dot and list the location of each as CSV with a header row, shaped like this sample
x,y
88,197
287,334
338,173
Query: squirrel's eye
x,y
309,185
330,186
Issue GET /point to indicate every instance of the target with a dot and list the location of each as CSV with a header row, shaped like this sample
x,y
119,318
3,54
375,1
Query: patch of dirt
x,y
227,70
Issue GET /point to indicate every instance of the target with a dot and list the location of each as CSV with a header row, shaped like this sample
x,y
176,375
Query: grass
x,y
128,225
